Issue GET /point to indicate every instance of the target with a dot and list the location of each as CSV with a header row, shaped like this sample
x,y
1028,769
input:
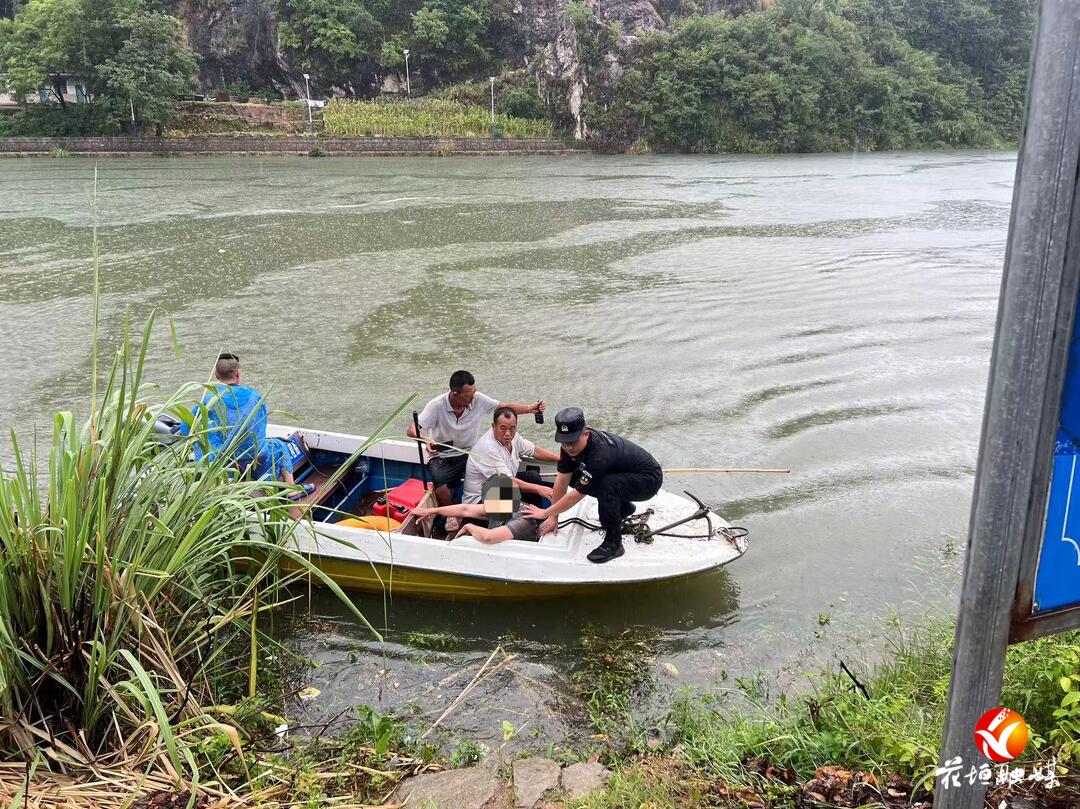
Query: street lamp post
x,y
307,88
408,81
492,80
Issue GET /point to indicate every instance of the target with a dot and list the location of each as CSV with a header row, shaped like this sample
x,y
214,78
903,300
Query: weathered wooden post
x,y
1020,424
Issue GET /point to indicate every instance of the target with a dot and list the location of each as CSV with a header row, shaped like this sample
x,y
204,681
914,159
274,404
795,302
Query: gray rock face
x,y
450,789
581,780
236,40
532,778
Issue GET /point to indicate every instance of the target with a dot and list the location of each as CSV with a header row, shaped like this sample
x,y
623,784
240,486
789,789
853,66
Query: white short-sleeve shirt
x,y
488,457
439,422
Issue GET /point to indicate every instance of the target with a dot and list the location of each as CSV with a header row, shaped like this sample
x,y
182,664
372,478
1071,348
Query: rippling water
x,y
831,314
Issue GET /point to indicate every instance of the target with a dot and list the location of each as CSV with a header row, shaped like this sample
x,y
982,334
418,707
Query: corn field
x,y
427,117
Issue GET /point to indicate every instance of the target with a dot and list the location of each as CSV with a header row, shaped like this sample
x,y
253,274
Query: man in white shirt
x,y
451,423
499,451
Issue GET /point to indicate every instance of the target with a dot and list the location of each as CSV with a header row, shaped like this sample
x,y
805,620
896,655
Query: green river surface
x,y
829,313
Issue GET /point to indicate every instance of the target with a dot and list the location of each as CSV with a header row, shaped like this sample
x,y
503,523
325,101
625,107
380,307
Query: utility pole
x,y
492,80
408,81
307,89
1039,291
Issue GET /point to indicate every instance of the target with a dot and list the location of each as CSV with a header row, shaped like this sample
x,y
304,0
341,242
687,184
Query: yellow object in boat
x,y
373,522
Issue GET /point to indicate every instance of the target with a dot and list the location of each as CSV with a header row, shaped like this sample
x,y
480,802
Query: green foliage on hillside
x,y
760,76
810,76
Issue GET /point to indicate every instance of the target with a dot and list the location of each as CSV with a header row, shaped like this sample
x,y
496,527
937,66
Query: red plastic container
x,y
400,501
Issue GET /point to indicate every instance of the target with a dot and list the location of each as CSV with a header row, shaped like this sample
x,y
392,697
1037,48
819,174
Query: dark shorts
x,y
521,528
448,470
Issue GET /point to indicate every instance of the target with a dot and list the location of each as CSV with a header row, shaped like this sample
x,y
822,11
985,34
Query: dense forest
x,y
660,75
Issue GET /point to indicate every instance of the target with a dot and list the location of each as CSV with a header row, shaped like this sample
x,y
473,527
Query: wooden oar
x,y
771,471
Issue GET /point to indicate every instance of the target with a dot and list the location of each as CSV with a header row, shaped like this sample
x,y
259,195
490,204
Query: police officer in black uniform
x,y
606,466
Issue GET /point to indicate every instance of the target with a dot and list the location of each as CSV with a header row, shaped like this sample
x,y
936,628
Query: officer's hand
x,y
547,491
549,526
432,449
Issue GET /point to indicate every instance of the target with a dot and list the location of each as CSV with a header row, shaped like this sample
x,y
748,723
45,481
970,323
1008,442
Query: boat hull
x,y
373,577
407,563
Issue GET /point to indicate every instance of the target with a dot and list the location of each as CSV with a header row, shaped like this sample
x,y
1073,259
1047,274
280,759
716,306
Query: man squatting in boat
x,y
451,423
606,466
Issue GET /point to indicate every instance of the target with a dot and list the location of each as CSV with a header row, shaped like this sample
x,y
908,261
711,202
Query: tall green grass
x,y
129,578
425,117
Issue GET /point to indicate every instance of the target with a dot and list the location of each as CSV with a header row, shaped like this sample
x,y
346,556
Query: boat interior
x,y
372,493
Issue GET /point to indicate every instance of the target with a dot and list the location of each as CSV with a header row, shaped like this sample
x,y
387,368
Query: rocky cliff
x,y
237,43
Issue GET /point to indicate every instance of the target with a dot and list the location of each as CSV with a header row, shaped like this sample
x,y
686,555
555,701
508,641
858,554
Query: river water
x,y
831,314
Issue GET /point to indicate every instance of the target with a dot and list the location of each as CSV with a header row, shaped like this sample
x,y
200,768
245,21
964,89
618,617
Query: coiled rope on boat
x,y
637,526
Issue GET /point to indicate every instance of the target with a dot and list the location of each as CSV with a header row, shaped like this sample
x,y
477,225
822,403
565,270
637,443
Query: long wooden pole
x,y
728,469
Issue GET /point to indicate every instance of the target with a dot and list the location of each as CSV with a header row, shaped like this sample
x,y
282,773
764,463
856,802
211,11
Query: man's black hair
x,y
225,355
500,412
460,379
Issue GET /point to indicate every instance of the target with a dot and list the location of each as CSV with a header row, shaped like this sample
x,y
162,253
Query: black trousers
x,y
531,476
617,492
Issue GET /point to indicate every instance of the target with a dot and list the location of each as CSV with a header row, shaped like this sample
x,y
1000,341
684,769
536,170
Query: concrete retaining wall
x,y
210,145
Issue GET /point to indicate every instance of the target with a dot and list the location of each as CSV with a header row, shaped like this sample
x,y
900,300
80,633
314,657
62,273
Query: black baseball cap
x,y
569,422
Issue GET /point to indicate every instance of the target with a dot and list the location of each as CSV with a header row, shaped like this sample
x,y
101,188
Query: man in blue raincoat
x,y
236,420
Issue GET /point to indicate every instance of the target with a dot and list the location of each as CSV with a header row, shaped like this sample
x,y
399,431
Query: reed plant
x,y
131,580
427,117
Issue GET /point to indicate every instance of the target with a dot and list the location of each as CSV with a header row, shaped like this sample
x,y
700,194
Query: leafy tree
x,y
150,69
336,40
452,36
117,49
40,47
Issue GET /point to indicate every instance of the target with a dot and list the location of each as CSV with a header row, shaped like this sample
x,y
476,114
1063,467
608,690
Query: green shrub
x,y
519,102
53,121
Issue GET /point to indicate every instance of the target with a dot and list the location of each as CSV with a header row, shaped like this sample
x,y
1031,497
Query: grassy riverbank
x,y
743,744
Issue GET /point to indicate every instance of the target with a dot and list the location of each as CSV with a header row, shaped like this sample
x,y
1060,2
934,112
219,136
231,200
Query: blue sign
x,y
1057,582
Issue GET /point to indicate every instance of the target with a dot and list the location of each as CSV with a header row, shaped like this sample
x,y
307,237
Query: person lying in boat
x,y
236,418
500,451
500,506
454,421
615,471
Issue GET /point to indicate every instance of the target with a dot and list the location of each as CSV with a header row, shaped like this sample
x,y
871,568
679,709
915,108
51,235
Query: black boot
x,y
610,548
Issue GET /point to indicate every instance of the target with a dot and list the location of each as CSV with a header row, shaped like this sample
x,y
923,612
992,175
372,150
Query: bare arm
x,y
533,488
549,516
431,447
521,409
475,510
541,454
564,503
487,535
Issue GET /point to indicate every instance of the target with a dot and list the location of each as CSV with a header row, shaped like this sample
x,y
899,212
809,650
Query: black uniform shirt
x,y
605,453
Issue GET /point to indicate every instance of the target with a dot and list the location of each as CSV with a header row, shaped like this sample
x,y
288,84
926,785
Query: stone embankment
x,y
536,783
291,145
